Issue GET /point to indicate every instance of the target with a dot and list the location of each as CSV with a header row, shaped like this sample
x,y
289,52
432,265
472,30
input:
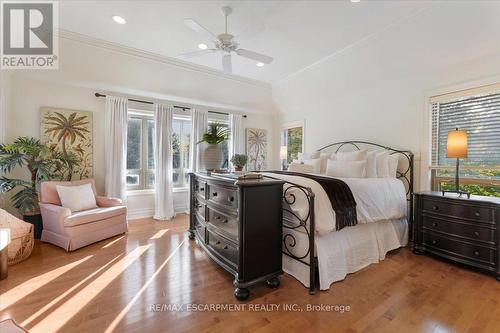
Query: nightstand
x,y
463,230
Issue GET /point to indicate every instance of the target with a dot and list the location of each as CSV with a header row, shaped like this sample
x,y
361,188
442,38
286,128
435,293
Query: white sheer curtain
x,y
164,200
115,146
237,141
198,128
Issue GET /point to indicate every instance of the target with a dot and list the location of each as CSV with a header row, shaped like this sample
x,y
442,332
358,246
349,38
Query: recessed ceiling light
x,y
202,46
260,64
119,19
355,1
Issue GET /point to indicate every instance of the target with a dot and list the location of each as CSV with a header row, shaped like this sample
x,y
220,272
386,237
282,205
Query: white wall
x,y
376,90
85,69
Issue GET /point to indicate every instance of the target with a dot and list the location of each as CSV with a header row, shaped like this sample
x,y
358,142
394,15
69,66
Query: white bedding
x,y
377,199
381,200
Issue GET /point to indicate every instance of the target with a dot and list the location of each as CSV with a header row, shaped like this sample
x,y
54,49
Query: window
x,y
479,114
180,144
140,153
292,136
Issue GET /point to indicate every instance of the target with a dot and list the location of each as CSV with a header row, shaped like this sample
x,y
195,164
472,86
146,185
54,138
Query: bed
x,y
313,247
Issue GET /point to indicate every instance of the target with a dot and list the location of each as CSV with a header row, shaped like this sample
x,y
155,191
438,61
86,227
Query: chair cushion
x,y
93,215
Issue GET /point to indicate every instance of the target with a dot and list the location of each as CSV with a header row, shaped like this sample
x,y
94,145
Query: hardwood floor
x,y
113,286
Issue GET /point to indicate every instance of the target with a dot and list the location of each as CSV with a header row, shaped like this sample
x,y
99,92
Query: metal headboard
x,y
405,173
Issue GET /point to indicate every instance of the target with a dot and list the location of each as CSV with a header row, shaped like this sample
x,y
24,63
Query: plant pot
x,y
36,220
211,157
238,168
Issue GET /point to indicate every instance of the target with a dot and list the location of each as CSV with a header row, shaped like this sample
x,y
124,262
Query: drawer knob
x,y
476,253
476,233
217,217
224,221
435,207
202,189
435,224
217,243
214,194
434,242
225,247
231,199
477,214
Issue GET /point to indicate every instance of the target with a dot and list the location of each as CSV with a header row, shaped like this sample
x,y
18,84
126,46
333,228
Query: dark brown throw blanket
x,y
340,196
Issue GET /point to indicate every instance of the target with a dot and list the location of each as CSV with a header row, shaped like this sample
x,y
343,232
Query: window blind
x,y
480,116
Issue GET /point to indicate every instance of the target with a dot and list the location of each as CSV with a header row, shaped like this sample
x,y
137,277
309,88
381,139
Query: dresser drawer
x,y
226,224
225,196
200,229
199,188
224,247
199,209
476,213
456,228
460,249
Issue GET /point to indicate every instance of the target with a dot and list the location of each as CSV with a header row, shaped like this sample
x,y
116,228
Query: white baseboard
x,y
144,213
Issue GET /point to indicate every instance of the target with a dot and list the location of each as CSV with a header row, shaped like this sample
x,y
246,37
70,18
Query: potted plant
x,y
42,162
239,161
212,156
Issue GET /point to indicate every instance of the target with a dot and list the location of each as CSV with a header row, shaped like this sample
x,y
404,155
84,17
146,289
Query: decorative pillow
x,y
371,164
315,163
359,155
77,198
299,167
393,165
382,165
324,159
307,156
346,169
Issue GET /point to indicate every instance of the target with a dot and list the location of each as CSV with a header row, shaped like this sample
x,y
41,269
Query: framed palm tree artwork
x,y
71,132
256,149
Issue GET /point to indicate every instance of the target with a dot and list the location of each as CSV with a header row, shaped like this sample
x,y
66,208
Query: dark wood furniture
x,y
463,230
239,224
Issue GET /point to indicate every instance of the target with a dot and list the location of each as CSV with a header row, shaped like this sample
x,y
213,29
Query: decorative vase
x,y
212,157
36,220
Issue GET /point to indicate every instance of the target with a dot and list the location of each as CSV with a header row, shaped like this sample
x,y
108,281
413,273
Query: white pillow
x,y
307,156
299,167
382,165
393,165
77,198
346,169
315,163
371,164
324,159
359,155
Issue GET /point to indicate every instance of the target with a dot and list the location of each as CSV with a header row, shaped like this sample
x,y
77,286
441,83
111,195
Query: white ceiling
x,y
296,33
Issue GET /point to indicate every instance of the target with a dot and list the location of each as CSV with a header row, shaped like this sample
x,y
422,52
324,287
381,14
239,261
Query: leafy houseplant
x,y
212,156
42,162
239,161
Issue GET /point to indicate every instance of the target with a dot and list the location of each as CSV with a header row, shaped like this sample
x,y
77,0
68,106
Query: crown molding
x,y
119,48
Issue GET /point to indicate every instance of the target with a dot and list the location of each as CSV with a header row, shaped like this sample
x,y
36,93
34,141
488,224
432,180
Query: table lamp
x,y
283,156
456,147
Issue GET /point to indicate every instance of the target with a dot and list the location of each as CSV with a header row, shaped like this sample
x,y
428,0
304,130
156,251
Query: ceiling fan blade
x,y
188,55
254,56
199,28
227,65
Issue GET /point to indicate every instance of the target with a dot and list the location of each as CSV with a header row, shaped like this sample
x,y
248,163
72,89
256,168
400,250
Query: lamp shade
x,y
283,153
457,144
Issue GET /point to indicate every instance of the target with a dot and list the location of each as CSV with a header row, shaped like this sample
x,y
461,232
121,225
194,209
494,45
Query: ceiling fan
x,y
224,43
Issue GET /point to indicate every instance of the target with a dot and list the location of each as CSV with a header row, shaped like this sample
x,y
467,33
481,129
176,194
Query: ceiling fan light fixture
x,y
260,64
202,46
118,19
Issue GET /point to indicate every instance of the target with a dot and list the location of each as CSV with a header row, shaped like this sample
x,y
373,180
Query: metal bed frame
x,y
306,224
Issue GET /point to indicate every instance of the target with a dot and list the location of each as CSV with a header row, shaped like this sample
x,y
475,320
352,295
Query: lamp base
x,y
460,193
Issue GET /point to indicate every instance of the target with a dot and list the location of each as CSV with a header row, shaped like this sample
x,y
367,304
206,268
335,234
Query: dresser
x,y
466,231
239,225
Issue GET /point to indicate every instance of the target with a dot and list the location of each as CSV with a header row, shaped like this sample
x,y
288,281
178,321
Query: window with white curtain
x,y
479,114
292,136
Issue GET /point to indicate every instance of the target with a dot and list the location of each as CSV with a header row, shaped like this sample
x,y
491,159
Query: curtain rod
x,y
183,108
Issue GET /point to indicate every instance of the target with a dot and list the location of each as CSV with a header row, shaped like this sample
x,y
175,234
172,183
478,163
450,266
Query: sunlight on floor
x,y
24,289
65,312
159,234
113,242
122,314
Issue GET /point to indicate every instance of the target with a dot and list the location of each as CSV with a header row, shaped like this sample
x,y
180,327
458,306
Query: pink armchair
x,y
73,230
